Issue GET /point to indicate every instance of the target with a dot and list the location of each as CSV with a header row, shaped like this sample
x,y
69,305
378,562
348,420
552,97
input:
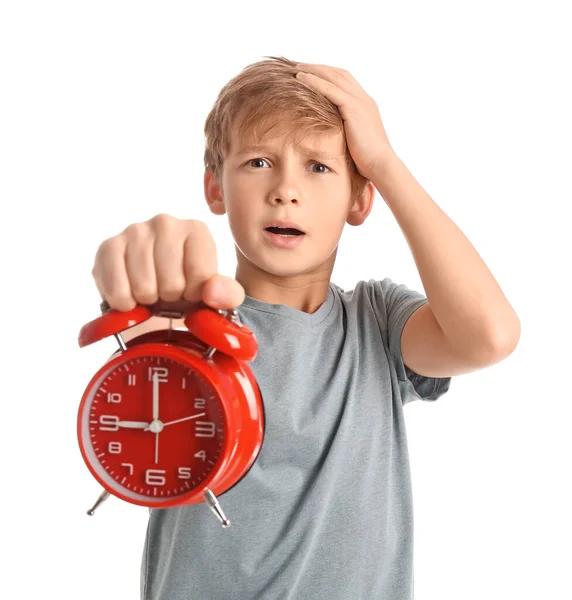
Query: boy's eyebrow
x,y
304,149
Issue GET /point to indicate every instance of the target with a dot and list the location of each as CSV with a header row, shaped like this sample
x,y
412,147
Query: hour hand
x,y
133,424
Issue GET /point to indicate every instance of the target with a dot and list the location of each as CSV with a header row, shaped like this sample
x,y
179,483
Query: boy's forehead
x,y
279,134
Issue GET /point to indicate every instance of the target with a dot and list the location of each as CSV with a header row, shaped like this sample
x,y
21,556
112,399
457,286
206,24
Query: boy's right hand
x,y
165,262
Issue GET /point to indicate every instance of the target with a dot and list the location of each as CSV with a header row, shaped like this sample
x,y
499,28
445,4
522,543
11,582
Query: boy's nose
x,y
286,200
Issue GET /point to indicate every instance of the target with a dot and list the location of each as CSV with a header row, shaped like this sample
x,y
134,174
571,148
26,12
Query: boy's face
x,y
309,185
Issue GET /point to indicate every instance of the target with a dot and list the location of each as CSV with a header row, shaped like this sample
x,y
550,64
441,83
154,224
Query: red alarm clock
x,y
173,417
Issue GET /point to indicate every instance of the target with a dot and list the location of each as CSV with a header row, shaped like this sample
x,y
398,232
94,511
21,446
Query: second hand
x,y
184,419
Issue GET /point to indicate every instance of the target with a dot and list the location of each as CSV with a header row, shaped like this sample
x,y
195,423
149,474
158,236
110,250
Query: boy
x,y
325,512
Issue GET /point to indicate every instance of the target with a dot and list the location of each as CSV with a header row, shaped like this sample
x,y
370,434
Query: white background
x,y
101,125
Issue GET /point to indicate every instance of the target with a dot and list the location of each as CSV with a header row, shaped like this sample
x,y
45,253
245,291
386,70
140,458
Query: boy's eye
x,y
252,160
255,160
321,165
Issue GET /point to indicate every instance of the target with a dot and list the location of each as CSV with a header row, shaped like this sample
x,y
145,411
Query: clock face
x,y
153,427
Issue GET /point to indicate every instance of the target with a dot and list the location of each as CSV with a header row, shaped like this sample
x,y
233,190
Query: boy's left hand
x,y
365,134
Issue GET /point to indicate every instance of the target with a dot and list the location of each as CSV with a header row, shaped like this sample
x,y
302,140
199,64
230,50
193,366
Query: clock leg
x,y
104,496
214,505
208,353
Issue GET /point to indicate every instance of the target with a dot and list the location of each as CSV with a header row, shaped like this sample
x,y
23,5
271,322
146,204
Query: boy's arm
x,y
468,323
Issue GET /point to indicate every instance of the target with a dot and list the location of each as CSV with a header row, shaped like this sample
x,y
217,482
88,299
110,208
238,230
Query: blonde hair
x,y
266,93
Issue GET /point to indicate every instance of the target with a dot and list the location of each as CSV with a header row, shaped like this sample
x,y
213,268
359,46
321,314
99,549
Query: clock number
x,y
162,373
202,455
114,448
129,466
116,397
108,423
155,477
184,472
200,402
131,379
205,429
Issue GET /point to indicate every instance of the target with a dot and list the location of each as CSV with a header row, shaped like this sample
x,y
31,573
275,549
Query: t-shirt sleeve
x,y
394,304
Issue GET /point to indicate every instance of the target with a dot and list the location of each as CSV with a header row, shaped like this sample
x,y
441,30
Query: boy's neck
x,y
302,294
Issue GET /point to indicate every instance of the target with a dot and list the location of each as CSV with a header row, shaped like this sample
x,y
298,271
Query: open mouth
x,y
285,232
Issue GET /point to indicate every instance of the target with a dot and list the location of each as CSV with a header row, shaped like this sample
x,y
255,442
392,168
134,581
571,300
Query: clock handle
x,y
112,322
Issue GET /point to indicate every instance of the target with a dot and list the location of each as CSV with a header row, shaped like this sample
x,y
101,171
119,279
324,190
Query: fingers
x,y
203,282
223,292
140,264
110,274
164,262
169,237
199,260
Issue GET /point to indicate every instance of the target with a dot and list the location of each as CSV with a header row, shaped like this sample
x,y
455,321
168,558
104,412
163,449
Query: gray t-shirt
x,y
326,510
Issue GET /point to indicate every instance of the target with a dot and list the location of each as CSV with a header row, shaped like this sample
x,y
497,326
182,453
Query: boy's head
x,y
266,106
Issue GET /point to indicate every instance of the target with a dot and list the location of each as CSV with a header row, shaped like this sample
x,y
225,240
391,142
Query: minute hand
x,y
155,396
184,419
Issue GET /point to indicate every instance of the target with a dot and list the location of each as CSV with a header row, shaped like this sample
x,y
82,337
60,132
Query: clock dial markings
x,y
128,399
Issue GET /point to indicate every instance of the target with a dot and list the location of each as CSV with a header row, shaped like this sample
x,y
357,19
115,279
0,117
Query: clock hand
x,y
184,419
156,412
133,424
155,396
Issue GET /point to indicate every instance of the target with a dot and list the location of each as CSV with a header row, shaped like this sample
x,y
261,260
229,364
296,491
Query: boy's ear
x,y
362,205
213,193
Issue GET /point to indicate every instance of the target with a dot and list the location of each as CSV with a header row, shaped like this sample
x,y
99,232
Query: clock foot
x,y
214,505
104,496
